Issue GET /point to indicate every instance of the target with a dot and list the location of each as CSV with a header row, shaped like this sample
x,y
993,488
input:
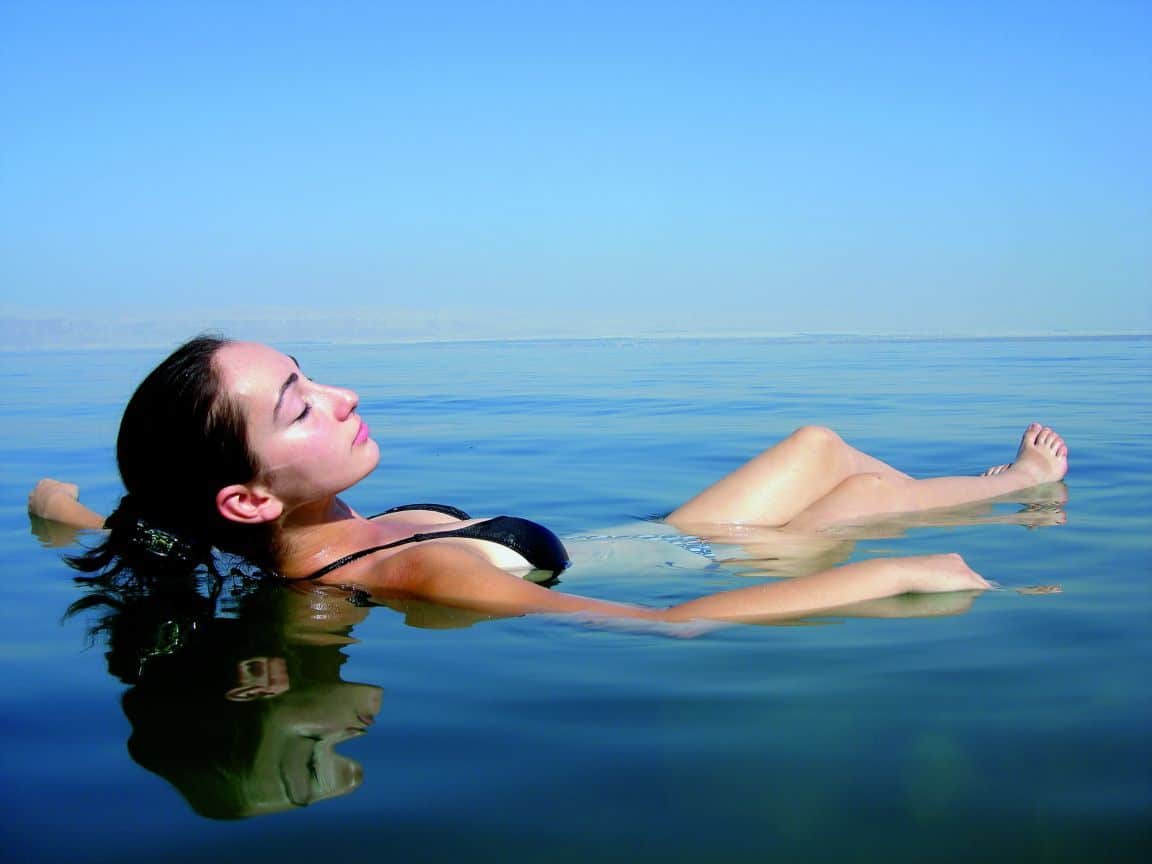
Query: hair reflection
x,y
235,694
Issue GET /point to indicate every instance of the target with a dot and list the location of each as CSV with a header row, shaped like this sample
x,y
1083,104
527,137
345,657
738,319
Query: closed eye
x,y
307,410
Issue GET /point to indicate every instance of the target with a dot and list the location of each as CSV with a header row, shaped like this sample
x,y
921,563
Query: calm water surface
x,y
1016,731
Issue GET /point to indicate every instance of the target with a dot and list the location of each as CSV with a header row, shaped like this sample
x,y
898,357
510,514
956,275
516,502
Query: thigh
x,y
775,486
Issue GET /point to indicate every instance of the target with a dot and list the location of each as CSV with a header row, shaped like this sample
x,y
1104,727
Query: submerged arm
x,y
453,576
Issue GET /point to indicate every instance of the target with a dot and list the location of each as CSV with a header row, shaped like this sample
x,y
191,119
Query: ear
x,y
248,505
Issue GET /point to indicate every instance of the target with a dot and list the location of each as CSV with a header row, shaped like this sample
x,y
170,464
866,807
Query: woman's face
x,y
308,438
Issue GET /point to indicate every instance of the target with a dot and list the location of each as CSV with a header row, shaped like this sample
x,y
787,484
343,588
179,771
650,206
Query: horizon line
x,y
654,336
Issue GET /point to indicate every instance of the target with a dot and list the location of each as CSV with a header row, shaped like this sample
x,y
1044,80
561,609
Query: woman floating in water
x,y
230,446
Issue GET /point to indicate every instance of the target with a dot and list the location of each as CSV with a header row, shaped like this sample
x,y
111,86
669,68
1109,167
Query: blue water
x,y
1015,731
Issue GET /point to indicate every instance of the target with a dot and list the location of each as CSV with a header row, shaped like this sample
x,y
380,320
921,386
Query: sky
x,y
489,169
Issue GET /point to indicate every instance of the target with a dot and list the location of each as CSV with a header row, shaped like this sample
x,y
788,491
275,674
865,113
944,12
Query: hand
x,y
46,496
931,574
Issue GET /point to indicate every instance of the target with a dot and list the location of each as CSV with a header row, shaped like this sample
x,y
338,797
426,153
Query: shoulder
x,y
415,568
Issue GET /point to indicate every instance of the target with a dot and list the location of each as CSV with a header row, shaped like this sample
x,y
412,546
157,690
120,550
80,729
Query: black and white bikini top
x,y
530,540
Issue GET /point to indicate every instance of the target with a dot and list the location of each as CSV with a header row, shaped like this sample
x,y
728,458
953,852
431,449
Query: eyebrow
x,y
292,379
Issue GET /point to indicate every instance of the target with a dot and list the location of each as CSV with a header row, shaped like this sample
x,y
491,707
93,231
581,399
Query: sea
x,y
235,720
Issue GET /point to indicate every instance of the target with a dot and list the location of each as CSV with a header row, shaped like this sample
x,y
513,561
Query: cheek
x,y
302,465
293,450
274,461
287,464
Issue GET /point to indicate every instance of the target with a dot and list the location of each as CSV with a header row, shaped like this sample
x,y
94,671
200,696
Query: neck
x,y
309,532
315,513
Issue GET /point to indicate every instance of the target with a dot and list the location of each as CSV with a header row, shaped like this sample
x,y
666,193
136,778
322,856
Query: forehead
x,y
252,371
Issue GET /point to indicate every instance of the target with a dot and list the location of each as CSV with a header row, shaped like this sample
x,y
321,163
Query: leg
x,y
781,482
1042,458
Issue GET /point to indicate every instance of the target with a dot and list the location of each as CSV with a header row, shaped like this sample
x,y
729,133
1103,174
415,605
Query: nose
x,y
344,401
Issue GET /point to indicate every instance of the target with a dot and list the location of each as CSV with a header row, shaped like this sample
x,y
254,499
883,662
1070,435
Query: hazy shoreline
x,y
62,332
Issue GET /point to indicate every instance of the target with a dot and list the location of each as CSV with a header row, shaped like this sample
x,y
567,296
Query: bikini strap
x,y
446,509
355,556
536,544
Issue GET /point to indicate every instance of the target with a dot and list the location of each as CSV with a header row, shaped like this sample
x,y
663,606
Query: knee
x,y
816,437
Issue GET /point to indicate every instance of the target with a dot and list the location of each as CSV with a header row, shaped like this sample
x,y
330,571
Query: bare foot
x,y
1042,457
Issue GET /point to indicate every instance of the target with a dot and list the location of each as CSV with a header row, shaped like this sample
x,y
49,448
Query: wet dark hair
x,y
181,440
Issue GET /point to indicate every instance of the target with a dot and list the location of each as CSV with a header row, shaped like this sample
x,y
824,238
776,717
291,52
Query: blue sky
x,y
596,166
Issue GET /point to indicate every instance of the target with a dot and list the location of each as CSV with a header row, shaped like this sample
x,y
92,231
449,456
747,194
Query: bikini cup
x,y
530,540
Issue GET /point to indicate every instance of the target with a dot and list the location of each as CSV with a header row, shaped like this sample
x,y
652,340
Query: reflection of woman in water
x,y
230,445
240,712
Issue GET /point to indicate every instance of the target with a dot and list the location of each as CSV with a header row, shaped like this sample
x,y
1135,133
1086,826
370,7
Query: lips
x,y
361,434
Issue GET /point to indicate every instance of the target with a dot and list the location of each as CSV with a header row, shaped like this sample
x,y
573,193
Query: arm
x,y
460,577
58,502
848,585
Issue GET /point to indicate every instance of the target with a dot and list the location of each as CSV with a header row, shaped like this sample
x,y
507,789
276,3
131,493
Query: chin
x,y
371,461
375,460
